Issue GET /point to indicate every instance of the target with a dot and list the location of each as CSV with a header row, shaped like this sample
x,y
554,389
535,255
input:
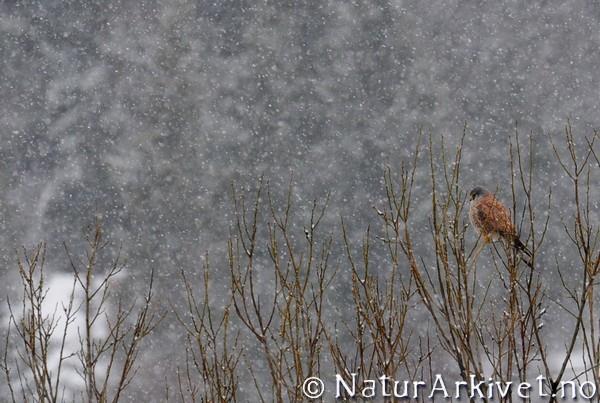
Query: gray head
x,y
477,192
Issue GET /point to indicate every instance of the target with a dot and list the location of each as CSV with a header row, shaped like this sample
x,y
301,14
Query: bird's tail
x,y
521,247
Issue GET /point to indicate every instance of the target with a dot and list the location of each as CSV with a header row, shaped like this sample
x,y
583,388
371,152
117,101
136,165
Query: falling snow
x,y
143,114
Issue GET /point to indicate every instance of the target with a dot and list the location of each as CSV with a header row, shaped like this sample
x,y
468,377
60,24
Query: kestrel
x,y
491,219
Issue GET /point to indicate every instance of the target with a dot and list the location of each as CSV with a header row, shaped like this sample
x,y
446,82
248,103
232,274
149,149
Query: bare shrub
x,y
213,349
36,348
275,324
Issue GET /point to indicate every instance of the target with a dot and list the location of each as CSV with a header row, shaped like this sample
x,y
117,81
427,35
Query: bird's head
x,y
477,192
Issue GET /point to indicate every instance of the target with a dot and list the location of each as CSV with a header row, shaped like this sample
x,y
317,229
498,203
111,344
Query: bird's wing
x,y
494,217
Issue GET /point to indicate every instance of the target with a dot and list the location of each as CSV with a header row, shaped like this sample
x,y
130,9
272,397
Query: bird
x,y
491,220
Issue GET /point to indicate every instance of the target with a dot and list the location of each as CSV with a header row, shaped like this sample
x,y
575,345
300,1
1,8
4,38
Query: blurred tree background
x,y
144,112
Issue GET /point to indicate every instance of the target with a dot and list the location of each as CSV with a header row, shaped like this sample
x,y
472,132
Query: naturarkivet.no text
x,y
385,386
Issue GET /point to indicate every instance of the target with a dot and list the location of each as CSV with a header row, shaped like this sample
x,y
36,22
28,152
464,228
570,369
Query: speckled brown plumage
x,y
491,219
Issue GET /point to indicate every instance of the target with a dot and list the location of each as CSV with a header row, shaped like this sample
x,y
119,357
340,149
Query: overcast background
x,y
144,112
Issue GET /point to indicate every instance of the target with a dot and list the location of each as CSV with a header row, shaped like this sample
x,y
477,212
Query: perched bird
x,y
491,219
